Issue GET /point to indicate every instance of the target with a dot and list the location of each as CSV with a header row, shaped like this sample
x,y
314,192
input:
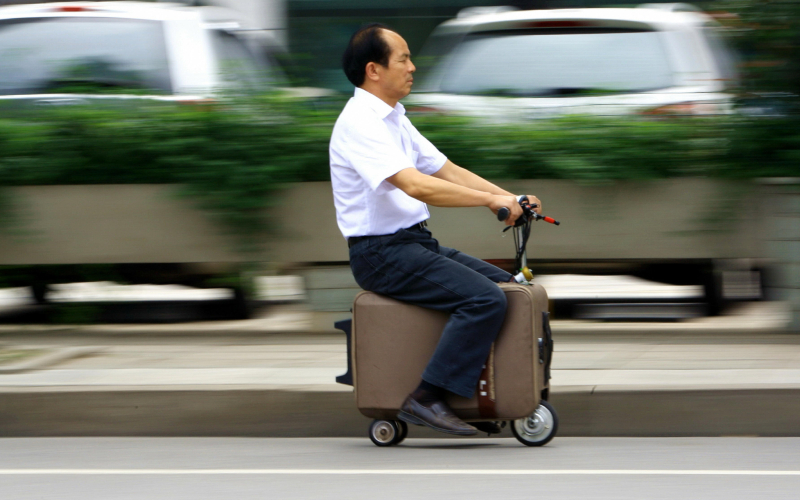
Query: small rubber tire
x,y
241,308
383,432
538,428
403,432
39,293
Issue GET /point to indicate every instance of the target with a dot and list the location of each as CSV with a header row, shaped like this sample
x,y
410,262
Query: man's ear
x,y
372,71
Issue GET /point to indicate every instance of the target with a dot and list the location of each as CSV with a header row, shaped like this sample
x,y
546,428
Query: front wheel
x,y
537,429
402,431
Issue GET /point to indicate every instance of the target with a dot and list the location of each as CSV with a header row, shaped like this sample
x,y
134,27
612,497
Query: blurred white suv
x,y
93,50
657,58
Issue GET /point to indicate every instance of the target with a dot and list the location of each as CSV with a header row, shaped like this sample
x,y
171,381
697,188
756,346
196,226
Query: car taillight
x,y
199,104
556,24
687,108
423,109
72,8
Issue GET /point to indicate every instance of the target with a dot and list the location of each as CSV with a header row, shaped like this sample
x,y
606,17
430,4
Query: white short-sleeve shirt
x,y
372,141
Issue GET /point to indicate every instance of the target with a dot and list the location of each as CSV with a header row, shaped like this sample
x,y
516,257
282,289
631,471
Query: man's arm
x,y
453,173
440,192
463,177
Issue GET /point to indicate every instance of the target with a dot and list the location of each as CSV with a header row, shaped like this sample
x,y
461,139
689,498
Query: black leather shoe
x,y
488,427
437,415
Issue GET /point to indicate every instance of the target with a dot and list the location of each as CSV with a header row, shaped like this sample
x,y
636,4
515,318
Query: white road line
x,y
402,472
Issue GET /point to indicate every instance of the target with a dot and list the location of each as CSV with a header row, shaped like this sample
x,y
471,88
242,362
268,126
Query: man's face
x,y
397,76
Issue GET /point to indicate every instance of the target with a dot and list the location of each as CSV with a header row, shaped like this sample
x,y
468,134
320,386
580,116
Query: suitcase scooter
x,y
390,343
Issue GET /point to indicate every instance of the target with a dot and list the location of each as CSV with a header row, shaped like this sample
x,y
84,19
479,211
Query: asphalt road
x,y
580,468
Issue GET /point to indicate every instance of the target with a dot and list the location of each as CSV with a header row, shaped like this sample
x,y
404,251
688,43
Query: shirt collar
x,y
377,104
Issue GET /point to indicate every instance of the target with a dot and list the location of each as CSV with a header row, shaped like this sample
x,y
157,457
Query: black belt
x,y
416,227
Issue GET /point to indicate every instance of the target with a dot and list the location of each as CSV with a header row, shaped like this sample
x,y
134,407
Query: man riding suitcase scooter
x,y
383,173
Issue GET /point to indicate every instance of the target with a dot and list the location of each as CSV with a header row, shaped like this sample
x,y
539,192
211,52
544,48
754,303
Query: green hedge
x,y
232,155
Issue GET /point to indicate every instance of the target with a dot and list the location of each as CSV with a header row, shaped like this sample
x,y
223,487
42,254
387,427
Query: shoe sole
x,y
487,431
411,419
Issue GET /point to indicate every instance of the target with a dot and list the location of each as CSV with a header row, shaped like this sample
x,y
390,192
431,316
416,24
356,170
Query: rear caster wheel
x,y
537,429
384,432
39,293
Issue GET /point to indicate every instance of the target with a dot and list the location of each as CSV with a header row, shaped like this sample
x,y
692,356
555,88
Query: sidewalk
x,y
274,376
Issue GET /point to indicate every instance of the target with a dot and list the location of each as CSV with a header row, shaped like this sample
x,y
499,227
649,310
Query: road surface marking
x,y
403,472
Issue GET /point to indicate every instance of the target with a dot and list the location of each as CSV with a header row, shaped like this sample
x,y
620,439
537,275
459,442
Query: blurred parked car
x,y
123,52
657,58
63,52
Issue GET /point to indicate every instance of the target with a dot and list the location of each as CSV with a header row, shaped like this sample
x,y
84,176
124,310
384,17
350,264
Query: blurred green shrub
x,y
232,155
585,148
595,149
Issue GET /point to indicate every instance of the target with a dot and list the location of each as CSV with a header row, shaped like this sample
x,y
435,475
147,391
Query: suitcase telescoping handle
x,y
522,230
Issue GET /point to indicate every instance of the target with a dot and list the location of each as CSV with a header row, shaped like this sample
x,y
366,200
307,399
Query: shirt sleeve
x,y
430,159
373,154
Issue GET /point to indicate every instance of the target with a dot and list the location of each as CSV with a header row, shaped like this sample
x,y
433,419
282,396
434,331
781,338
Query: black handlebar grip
x,y
502,214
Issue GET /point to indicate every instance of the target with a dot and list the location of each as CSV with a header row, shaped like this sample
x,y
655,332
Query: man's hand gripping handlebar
x,y
509,206
528,213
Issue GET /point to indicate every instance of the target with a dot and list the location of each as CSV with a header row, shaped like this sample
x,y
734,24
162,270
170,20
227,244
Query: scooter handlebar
x,y
527,213
502,214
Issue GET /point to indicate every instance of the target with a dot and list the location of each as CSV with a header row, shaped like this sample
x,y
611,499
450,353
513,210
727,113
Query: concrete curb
x,y
319,413
47,359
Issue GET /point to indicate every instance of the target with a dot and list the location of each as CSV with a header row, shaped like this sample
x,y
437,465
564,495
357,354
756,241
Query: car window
x,y
237,64
87,54
724,58
688,58
557,62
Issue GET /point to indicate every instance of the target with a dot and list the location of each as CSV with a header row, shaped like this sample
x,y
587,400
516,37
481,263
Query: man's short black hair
x,y
366,45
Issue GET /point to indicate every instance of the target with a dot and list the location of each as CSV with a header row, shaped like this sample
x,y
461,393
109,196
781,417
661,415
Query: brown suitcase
x,y
392,341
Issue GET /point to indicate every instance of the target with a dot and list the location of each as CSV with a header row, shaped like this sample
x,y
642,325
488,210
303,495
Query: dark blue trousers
x,y
411,266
